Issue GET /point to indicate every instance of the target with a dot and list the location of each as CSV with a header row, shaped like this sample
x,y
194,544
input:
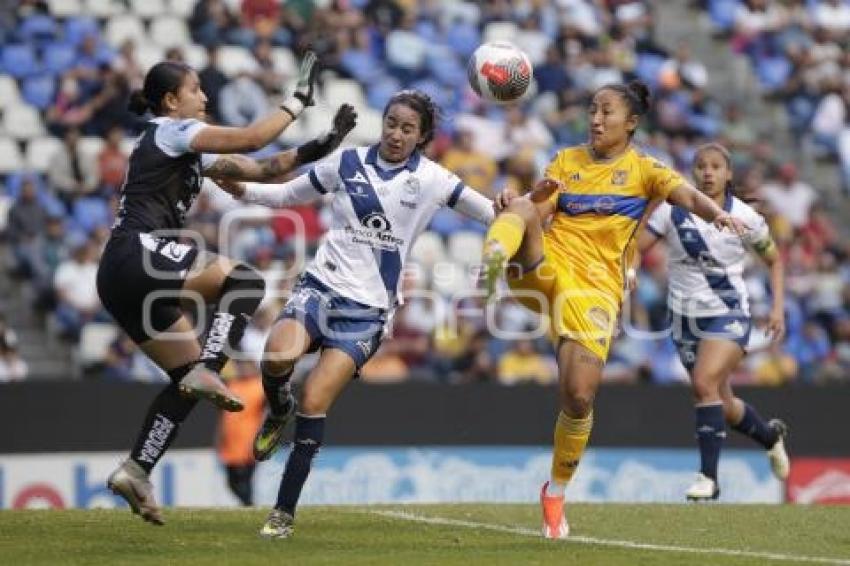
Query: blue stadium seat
x,y
444,66
38,29
722,13
647,68
19,60
15,180
59,57
91,212
76,29
379,92
39,90
361,65
463,38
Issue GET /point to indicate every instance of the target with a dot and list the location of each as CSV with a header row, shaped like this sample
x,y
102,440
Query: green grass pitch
x,y
464,535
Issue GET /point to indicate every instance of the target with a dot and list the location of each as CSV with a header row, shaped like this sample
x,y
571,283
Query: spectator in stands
x,y
127,64
236,431
386,366
12,365
75,283
213,80
26,222
267,75
49,250
789,196
211,22
523,364
118,361
810,349
242,101
263,18
476,169
112,162
72,174
477,366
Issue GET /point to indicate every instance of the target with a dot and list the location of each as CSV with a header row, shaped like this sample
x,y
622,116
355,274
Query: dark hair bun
x,y
138,102
641,92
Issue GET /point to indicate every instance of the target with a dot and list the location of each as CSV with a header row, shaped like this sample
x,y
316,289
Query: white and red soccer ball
x,y
499,72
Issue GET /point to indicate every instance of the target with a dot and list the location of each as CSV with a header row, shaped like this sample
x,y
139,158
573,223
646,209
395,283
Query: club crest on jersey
x,y
575,177
619,177
599,317
411,186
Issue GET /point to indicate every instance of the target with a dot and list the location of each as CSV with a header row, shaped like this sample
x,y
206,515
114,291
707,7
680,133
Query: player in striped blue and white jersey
x,y
384,196
710,313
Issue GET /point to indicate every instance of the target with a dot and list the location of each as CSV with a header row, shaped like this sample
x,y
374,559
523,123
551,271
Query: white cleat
x,y
777,454
703,489
131,483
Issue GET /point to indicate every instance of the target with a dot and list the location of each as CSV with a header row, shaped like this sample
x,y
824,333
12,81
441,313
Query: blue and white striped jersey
x,y
378,210
706,265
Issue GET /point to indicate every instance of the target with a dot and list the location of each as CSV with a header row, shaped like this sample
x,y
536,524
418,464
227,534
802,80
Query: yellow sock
x,y
507,230
570,439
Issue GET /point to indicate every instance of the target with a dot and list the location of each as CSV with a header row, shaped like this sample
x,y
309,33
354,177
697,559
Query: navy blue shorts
x,y
688,332
334,321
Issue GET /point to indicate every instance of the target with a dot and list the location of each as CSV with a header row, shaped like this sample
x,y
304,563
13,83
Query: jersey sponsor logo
x,y
358,179
408,204
376,232
619,177
174,251
157,437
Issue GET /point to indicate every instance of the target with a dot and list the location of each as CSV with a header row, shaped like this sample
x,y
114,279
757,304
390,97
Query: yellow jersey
x,y
599,209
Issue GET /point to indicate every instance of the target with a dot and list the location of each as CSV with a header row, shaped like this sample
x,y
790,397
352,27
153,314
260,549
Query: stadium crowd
x,y
65,135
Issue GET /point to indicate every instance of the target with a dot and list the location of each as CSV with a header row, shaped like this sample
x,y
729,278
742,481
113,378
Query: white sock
x,y
555,489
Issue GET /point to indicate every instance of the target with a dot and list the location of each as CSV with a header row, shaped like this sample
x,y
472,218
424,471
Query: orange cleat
x,y
554,523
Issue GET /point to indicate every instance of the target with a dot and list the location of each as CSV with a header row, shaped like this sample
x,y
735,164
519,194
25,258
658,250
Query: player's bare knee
x,y
313,403
577,403
706,388
279,366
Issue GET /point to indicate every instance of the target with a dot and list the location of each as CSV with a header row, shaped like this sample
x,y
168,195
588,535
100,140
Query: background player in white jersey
x,y
710,313
384,197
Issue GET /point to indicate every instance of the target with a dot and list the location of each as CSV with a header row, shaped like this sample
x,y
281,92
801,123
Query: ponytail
x,y
138,102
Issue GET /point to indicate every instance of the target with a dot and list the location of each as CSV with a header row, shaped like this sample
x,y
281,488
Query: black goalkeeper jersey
x,y
163,178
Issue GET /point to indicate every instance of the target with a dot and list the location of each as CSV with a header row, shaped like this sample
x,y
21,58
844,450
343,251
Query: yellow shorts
x,y
576,309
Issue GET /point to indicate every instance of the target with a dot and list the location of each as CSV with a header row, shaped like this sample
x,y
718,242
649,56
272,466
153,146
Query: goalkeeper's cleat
x,y
554,523
279,524
703,489
493,267
777,454
130,482
268,438
203,383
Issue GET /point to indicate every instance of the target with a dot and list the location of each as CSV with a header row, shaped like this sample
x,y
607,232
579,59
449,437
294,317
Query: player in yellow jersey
x,y
593,199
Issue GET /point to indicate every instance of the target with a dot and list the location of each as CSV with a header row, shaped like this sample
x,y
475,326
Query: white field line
x,y
431,520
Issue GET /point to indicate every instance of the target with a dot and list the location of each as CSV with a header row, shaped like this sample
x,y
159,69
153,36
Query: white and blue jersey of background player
x,y
707,294
378,210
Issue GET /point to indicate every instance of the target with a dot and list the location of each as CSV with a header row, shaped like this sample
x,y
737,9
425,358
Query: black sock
x,y
168,410
309,433
754,426
277,389
711,430
241,294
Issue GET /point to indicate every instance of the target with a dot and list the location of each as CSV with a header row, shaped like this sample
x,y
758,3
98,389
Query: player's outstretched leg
x,y
777,454
771,435
241,293
515,235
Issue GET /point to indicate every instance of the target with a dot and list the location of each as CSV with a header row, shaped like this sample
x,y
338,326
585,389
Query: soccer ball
x,y
499,72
